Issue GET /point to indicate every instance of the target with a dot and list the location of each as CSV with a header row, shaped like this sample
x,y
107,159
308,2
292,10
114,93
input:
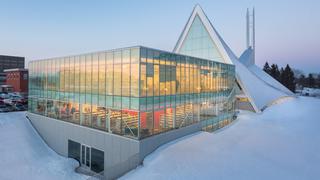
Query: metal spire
x,y
248,28
253,35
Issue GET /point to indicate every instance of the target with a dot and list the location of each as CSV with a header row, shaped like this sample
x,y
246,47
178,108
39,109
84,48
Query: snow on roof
x,y
258,92
268,79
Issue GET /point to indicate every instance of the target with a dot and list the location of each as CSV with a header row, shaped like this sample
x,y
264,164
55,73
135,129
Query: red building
x,y
18,79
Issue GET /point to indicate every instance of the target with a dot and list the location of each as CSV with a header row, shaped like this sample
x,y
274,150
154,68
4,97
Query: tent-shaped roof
x,y
199,38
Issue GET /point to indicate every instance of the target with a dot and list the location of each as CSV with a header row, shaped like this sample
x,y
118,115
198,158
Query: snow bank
x,y
281,143
24,155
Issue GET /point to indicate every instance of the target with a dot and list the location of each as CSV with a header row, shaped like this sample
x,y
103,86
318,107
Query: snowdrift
x,y
24,155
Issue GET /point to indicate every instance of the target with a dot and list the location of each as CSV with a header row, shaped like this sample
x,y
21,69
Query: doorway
x,y
89,157
85,156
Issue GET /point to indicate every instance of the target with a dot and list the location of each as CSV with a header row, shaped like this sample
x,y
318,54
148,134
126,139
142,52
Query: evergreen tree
x,y
289,78
283,77
267,68
274,72
277,72
310,81
286,77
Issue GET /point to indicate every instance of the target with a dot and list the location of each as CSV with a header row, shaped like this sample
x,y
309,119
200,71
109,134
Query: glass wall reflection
x,y
135,92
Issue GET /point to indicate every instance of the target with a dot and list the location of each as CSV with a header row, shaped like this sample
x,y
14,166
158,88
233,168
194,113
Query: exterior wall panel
x,y
149,97
121,154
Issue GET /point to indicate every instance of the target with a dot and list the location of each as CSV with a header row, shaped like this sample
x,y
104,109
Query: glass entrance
x,y
85,156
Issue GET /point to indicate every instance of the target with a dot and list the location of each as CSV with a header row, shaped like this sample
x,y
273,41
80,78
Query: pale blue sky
x,y
286,31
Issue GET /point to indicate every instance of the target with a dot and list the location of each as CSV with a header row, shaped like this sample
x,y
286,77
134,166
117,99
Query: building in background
x,y
9,62
17,79
110,109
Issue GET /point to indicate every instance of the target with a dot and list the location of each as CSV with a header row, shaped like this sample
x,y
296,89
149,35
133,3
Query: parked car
x,y
4,95
19,107
20,100
4,108
15,99
7,101
10,107
12,101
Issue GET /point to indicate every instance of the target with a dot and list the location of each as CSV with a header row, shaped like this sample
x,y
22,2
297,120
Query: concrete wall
x,y
150,144
120,154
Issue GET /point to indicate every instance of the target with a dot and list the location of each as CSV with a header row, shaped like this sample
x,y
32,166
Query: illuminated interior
x,y
134,92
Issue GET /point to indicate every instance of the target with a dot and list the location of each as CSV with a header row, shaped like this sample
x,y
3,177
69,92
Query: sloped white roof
x,y
258,87
246,57
268,79
260,93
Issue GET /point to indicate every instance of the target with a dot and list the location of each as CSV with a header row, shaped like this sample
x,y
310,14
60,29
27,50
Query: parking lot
x,y
13,102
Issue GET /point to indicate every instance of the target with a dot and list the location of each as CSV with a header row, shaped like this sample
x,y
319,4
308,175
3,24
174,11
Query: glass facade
x,y
198,43
134,92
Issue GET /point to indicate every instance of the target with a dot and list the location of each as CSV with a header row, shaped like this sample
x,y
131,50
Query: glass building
x,y
134,92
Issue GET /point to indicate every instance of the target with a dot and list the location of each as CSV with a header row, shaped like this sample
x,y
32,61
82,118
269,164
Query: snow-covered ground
x,y
281,143
24,155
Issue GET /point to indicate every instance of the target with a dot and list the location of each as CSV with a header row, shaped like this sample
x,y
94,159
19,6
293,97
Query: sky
x,y
286,30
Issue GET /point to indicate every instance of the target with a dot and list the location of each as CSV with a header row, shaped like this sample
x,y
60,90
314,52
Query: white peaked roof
x,y
260,88
246,59
197,15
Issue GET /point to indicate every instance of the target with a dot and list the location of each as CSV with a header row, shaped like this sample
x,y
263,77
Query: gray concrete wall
x,y
150,144
120,154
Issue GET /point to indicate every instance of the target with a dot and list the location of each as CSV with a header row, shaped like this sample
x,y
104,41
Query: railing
x,y
126,124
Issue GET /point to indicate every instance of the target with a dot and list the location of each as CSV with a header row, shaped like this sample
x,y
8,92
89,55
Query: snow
x,y
247,59
283,142
24,155
260,93
311,92
268,79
